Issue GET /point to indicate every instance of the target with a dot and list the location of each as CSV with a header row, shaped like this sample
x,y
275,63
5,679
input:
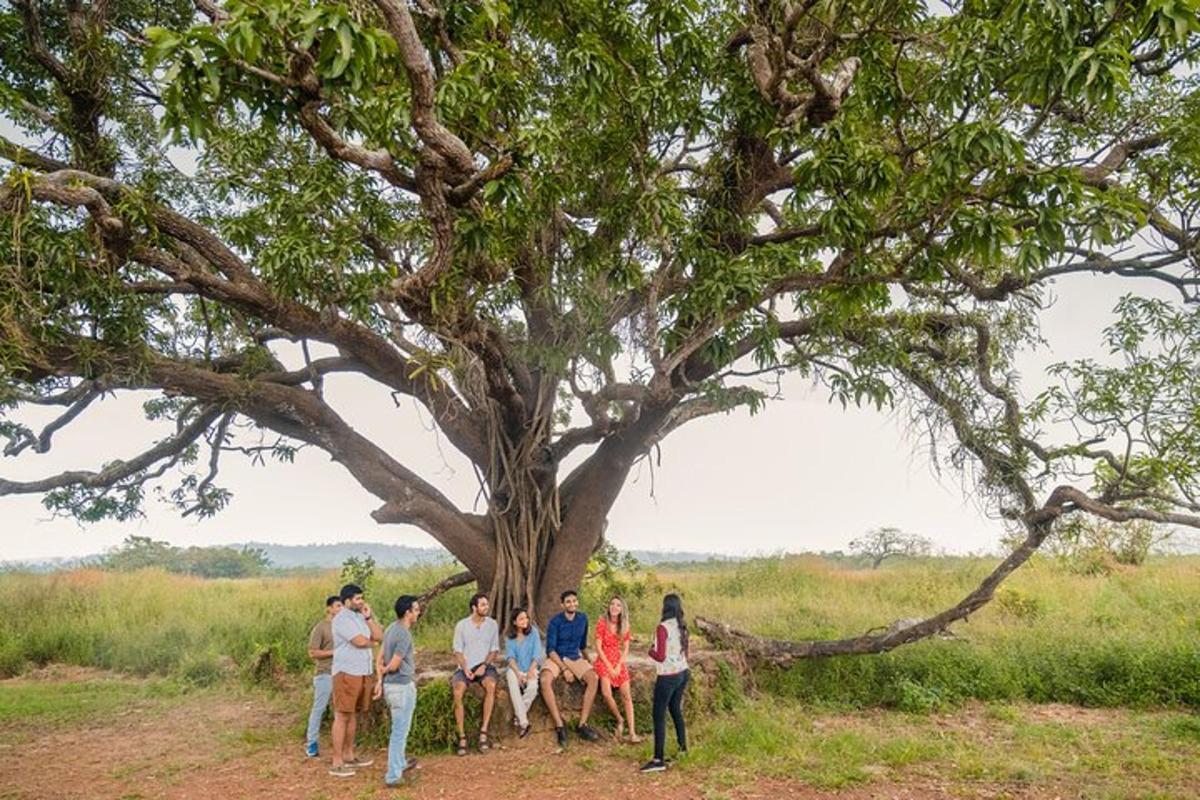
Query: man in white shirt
x,y
476,645
355,630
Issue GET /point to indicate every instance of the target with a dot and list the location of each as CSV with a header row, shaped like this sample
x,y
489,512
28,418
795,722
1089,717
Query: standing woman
x,y
670,650
612,656
525,656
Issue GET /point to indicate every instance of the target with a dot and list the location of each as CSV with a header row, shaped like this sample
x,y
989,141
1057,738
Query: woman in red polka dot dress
x,y
612,653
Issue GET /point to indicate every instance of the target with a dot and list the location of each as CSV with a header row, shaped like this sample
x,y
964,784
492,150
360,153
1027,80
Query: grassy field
x,y
1128,639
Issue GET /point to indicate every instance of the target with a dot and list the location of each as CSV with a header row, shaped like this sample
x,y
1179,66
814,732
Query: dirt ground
x,y
204,747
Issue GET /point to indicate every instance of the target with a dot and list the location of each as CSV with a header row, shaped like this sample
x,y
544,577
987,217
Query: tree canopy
x,y
880,544
567,229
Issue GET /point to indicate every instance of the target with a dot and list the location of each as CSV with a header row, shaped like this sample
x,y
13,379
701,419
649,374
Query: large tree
x,y
567,229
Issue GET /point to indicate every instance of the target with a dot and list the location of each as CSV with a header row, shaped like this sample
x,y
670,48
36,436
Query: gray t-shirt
x,y
476,642
346,657
397,641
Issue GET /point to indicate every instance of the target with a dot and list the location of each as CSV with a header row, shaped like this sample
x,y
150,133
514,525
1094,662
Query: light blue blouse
x,y
525,651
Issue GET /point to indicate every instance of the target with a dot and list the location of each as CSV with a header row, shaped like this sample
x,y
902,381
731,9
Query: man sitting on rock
x,y
566,655
476,645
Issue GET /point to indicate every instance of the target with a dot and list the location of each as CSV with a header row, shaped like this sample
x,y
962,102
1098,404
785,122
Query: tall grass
x,y
1132,638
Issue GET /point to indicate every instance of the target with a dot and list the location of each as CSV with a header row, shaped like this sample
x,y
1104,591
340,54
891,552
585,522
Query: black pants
x,y
668,695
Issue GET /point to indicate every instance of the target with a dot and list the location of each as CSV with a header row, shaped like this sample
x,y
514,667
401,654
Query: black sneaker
x,y
587,732
561,734
653,765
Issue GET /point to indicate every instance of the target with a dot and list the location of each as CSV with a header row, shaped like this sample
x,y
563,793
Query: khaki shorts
x,y
352,692
578,667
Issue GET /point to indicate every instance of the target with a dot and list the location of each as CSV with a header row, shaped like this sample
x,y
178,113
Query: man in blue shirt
x,y
566,655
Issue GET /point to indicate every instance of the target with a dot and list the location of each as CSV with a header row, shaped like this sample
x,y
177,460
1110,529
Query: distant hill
x,y
285,556
50,564
651,557
332,556
388,556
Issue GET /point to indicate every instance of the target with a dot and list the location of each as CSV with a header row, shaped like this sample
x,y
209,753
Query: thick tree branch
x,y
443,586
379,161
30,159
424,89
170,448
243,290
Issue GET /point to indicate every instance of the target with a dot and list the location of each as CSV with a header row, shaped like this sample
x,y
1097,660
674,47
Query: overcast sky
x,y
801,475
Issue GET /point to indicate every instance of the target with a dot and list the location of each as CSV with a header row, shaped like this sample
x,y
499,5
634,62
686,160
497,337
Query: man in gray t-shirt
x,y
397,681
476,645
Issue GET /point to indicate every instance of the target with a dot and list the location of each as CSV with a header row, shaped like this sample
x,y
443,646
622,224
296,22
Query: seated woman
x,y
612,654
525,656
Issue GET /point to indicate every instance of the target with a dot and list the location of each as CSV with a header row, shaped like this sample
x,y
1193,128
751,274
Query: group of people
x,y
351,672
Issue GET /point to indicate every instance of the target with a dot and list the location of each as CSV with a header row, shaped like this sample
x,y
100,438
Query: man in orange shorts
x,y
355,630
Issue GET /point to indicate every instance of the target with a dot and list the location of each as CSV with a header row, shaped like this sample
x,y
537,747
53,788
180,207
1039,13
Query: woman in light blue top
x,y
525,656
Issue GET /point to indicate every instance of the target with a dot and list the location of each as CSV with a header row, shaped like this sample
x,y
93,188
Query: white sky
x,y
802,475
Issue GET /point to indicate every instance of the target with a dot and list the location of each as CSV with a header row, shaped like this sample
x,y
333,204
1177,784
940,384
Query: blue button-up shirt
x,y
567,637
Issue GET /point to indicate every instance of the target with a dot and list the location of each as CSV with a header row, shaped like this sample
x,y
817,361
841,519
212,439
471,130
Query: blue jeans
x,y
322,689
402,699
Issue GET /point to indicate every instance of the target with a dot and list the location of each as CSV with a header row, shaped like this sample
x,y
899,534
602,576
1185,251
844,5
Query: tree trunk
x,y
523,506
525,531
539,535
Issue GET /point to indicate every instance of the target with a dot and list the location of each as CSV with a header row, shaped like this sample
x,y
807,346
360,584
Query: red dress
x,y
612,645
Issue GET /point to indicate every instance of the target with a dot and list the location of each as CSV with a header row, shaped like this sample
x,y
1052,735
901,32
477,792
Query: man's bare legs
x,y
344,727
489,702
460,688
548,697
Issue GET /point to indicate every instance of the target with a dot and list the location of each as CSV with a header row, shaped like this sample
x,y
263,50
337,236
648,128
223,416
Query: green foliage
x,y
432,728
1090,546
359,570
142,552
203,670
1017,604
614,573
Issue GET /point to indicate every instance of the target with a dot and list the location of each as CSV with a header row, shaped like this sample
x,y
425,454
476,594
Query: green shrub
x,y
1018,604
432,728
201,670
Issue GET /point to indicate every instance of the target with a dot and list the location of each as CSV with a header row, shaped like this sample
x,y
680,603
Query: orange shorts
x,y
352,692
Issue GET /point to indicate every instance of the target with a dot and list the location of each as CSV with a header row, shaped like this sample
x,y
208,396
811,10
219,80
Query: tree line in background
x,y
142,552
1085,545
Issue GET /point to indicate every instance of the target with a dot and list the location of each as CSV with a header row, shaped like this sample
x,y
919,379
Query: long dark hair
x,y
512,631
673,609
